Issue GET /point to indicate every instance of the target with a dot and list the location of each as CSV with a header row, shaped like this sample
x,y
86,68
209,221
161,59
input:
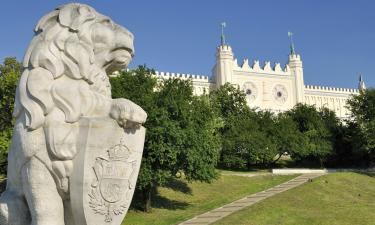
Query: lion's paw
x,y
127,113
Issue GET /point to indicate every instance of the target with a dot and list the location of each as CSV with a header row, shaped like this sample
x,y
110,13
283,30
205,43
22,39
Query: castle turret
x,y
223,69
361,84
296,70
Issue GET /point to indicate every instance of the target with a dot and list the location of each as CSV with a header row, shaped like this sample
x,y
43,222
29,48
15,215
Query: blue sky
x,y
336,38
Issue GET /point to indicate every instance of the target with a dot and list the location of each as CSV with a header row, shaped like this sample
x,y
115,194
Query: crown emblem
x,y
119,152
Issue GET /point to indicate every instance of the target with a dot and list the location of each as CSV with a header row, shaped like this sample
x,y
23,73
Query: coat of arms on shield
x,y
105,171
114,173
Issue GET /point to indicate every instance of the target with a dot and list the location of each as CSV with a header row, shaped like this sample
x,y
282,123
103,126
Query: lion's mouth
x,y
119,58
122,54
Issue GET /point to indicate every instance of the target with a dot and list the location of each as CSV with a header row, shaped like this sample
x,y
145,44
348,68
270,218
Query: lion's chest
x,y
101,85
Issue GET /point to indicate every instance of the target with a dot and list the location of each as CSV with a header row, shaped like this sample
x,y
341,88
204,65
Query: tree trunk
x,y
279,156
146,198
248,165
321,162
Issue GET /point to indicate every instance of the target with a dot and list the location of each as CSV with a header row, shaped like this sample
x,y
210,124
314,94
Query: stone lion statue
x,y
65,79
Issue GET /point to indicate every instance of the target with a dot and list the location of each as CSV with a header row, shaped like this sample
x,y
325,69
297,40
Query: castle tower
x,y
223,69
296,69
361,84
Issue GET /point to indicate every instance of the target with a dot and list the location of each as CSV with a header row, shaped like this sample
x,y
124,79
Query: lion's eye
x,y
102,36
107,22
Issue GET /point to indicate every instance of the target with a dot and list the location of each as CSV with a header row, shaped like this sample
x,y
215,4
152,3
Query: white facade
x,y
268,87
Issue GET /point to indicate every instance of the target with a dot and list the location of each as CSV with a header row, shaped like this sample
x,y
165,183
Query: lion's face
x,y
112,44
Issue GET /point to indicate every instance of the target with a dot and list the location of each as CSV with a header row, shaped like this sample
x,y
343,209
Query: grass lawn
x,y
180,202
334,199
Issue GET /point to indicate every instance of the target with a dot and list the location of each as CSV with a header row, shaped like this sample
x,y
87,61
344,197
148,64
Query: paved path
x,y
246,174
219,213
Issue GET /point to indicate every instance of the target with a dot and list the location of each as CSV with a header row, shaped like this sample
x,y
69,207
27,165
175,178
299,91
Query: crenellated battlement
x,y
224,48
331,89
194,77
294,57
168,75
266,68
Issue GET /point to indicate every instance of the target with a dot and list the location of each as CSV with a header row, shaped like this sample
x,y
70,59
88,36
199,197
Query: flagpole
x,y
292,50
223,25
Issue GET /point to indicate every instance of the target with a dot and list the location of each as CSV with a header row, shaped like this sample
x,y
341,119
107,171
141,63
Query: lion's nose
x,y
124,39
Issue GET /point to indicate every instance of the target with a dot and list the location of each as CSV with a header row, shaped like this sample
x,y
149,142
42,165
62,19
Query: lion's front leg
x,y
45,203
125,112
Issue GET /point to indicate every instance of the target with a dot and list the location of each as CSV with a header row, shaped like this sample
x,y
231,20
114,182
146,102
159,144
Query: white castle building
x,y
268,87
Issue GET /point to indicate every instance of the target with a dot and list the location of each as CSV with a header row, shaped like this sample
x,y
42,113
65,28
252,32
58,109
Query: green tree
x,y
10,71
265,141
237,140
249,140
362,109
349,149
199,157
181,135
247,135
228,100
288,137
311,123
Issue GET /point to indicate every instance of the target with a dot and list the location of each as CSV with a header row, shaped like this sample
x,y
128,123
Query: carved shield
x,y
112,183
105,171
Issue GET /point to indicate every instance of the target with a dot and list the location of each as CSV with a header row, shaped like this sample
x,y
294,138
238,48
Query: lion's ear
x,y
74,15
46,20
